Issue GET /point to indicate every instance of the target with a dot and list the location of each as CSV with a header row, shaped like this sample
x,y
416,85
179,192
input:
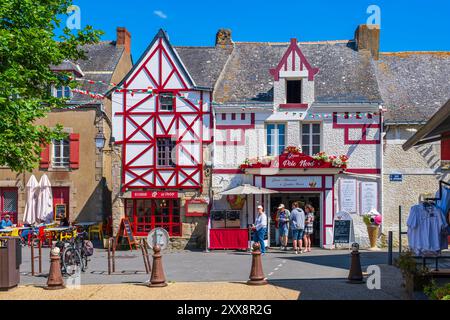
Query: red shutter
x,y
74,150
45,157
445,146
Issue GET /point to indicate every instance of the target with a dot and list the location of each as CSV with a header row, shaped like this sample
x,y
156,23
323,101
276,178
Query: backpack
x,y
88,248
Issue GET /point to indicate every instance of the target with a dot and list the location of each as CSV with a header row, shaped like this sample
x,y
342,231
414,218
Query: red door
x,y
8,203
61,197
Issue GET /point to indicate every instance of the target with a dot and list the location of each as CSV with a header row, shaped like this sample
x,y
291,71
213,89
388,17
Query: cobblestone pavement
x,y
320,274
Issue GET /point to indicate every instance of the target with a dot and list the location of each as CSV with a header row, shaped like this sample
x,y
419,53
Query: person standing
x,y
298,226
309,227
283,225
260,228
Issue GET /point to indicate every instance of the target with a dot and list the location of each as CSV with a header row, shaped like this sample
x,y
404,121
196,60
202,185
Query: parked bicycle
x,y
75,252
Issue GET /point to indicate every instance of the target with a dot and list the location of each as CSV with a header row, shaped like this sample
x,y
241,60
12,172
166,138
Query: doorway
x,y
287,199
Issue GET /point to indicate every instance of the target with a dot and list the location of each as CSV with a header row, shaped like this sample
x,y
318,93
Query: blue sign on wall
x,y
397,177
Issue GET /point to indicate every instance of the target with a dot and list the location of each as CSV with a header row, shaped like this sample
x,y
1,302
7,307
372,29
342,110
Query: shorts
x,y
309,230
284,231
297,234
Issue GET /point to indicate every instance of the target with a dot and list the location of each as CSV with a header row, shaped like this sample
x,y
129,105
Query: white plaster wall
x,y
279,92
293,133
307,91
360,155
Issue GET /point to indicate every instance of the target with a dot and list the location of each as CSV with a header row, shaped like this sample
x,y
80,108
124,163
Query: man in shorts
x,y
298,227
283,218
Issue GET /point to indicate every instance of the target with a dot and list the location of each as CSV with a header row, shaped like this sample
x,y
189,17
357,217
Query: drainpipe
x,y
382,138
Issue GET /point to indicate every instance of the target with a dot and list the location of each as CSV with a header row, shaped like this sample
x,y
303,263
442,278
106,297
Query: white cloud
x,y
160,14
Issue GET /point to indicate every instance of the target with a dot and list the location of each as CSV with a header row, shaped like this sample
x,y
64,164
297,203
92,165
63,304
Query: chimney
x,y
367,37
223,37
124,39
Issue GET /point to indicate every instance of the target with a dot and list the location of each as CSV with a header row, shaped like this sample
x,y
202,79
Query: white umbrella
x,y
31,205
248,189
45,200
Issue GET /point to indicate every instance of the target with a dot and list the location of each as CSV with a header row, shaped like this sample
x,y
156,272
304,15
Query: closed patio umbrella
x,y
45,200
32,188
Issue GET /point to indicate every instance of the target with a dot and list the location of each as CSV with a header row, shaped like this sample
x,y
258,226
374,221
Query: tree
x,y
28,47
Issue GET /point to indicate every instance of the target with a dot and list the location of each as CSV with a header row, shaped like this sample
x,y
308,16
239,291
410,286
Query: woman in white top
x,y
260,228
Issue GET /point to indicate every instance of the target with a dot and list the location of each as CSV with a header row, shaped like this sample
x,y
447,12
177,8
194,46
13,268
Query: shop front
x,y
147,210
317,190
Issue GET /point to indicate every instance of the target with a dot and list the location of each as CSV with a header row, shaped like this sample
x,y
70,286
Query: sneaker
x,y
281,247
296,251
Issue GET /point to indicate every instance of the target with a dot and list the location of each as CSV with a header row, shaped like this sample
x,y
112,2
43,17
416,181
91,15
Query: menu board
x,y
369,196
342,230
60,211
347,195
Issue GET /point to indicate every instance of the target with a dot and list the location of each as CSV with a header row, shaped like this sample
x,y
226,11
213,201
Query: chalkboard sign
x,y
126,231
60,211
342,229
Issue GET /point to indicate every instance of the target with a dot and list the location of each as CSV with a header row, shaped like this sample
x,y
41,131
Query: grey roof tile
x,y
413,85
345,75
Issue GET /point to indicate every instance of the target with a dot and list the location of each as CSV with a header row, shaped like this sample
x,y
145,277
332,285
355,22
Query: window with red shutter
x,y
74,139
45,157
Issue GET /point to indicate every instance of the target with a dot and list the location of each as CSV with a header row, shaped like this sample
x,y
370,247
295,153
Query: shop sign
x,y
294,182
154,194
396,177
295,161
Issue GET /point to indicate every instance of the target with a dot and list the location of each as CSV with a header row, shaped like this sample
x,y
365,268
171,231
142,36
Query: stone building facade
x,y
81,174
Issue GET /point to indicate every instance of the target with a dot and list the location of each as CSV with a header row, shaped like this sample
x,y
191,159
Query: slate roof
x,y
204,63
413,85
99,65
345,74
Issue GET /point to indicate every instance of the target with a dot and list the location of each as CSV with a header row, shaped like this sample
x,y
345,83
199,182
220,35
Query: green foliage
x,y
437,293
27,50
408,265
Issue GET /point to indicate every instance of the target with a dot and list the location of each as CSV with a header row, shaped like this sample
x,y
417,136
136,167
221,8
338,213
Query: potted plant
x,y
373,220
415,278
434,292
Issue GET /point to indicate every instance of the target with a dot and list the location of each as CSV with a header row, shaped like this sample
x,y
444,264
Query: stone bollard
x,y
355,275
257,277
157,278
55,280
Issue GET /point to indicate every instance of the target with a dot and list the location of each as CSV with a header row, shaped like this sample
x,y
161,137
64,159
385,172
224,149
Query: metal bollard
x,y
55,280
355,275
256,272
157,278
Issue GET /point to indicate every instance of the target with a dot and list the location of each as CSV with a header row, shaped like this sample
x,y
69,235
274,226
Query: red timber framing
x,y
141,121
288,62
362,126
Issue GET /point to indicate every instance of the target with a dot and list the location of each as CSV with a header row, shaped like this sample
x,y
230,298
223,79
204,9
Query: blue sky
x,y
405,25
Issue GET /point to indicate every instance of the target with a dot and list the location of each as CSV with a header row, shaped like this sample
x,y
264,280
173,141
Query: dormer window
x,y
293,91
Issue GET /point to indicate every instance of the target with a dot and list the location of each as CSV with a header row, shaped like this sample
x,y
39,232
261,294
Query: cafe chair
x,y
15,232
96,229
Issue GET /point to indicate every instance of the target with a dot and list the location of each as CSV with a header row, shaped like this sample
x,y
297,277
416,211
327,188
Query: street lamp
x,y
100,140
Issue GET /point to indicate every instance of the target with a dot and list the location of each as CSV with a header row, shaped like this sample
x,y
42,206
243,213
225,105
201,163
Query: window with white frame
x,y
276,138
62,92
60,153
165,148
311,136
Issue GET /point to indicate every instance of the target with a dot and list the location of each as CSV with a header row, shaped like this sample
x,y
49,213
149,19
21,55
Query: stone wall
x,y
421,174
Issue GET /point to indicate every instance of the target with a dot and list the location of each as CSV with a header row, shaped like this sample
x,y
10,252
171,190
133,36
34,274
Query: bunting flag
x,y
111,84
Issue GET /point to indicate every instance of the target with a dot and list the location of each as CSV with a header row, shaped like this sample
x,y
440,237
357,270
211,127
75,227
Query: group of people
x,y
302,225
301,222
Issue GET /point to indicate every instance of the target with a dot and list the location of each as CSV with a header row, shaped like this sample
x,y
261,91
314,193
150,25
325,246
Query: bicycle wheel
x,y
72,261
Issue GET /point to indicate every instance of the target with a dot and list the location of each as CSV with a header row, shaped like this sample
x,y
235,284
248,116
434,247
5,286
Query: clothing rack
x,y
424,259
